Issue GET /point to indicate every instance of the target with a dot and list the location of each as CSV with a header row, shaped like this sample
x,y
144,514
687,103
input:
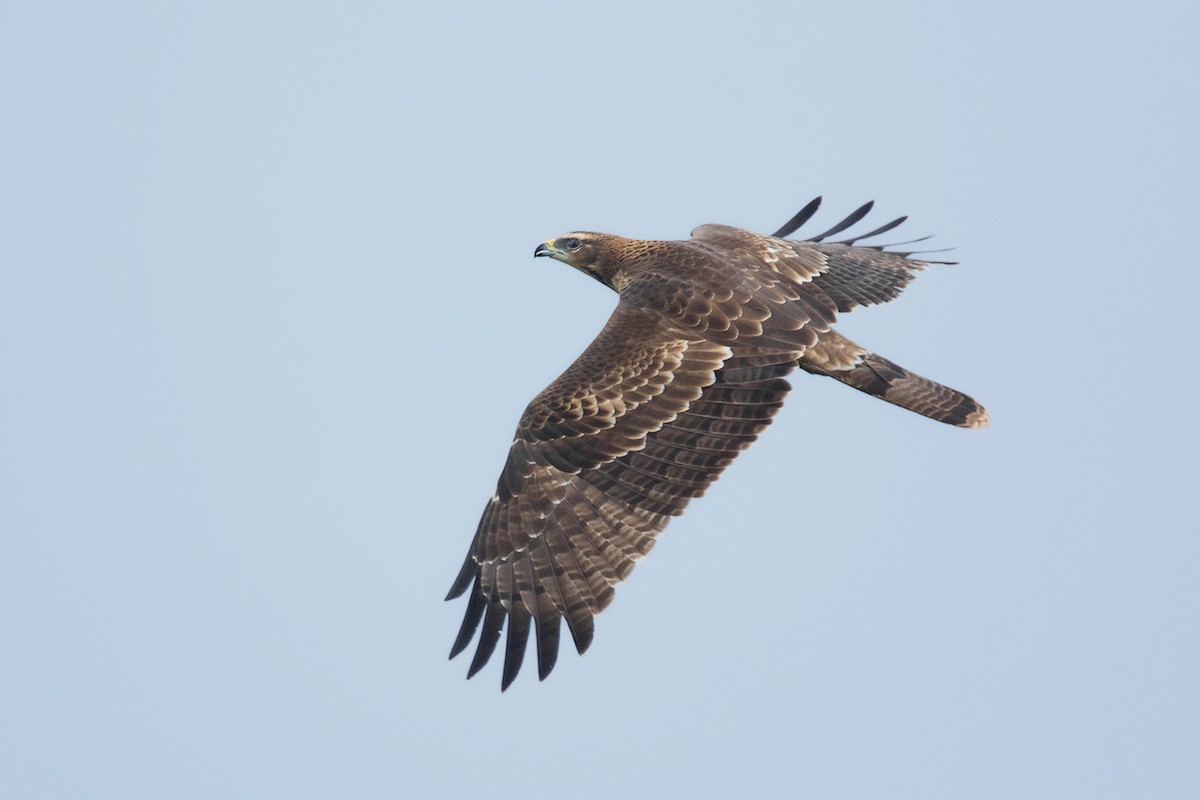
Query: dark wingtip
x,y
547,627
881,229
514,652
802,216
582,644
460,645
470,622
476,665
466,575
582,628
854,217
490,635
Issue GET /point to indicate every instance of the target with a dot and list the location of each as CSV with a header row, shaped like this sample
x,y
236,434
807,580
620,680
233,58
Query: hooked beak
x,y
546,248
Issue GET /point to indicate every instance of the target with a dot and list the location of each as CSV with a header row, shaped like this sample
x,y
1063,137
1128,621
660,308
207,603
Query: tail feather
x,y
843,360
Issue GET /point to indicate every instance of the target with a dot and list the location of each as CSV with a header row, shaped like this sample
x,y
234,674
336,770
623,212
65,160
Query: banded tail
x,y
841,359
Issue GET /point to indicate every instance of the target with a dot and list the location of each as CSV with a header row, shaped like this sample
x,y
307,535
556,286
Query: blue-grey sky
x,y
268,316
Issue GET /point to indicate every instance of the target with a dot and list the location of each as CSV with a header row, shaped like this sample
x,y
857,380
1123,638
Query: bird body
x,y
687,372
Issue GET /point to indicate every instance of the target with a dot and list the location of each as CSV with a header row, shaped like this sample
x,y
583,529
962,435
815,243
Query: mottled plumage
x,y
687,372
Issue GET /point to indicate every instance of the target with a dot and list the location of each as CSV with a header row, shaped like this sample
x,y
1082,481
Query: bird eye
x,y
573,243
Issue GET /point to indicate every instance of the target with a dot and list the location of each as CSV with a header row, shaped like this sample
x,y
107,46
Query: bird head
x,y
593,254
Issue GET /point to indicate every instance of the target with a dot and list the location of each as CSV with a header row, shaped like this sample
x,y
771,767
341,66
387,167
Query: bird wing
x,y
849,273
551,542
642,422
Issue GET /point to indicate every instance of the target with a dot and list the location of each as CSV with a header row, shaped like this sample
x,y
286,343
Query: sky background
x,y
268,317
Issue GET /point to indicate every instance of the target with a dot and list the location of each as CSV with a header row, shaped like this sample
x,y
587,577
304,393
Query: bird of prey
x,y
687,372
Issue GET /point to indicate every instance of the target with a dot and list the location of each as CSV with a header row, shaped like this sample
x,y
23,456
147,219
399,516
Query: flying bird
x,y
687,372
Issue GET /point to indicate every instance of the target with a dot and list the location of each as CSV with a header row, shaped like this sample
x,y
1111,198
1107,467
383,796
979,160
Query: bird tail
x,y
841,359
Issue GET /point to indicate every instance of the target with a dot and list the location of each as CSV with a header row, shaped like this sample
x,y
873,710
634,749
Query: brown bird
x,y
686,373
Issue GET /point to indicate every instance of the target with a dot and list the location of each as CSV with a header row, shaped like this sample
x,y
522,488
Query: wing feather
x,y
611,515
547,625
844,273
802,216
881,229
576,594
854,217
493,621
514,648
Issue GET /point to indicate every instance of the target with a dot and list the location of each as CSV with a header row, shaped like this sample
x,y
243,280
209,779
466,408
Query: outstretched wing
x,y
857,274
555,537
603,458
848,273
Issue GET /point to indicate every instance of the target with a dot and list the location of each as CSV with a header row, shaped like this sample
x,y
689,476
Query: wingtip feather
x,y
514,653
853,218
802,216
492,625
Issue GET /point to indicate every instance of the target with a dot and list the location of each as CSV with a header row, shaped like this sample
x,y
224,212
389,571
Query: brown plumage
x,y
687,372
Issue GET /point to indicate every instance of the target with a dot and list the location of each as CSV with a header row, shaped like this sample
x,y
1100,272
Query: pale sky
x,y
269,315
